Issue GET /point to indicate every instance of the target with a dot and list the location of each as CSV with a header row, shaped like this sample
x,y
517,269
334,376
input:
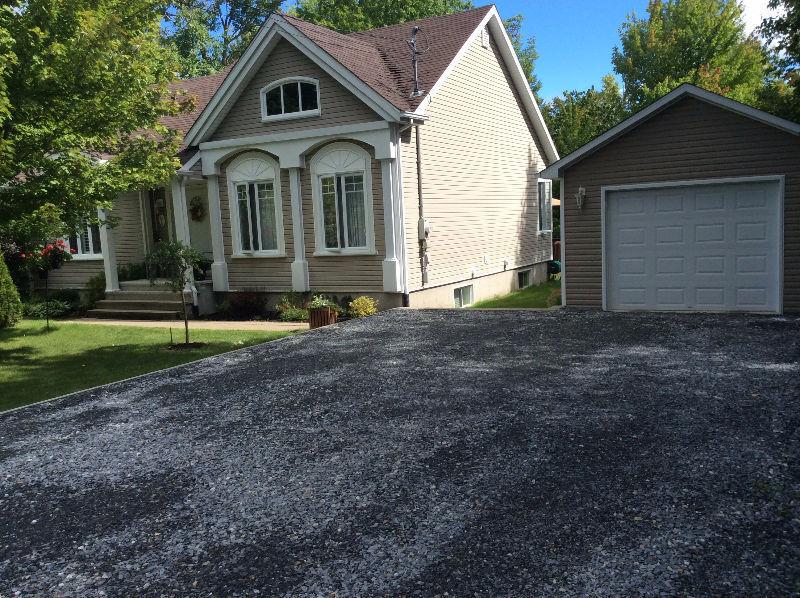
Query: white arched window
x,y
342,191
254,192
294,97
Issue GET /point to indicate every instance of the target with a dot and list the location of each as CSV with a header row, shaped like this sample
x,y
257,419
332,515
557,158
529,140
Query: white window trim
x,y
360,163
539,228
292,115
471,295
235,179
85,257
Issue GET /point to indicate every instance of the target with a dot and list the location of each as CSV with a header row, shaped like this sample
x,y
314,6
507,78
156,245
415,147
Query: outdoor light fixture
x,y
580,197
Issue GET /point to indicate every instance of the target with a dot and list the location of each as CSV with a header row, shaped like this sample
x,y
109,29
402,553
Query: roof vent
x,y
415,54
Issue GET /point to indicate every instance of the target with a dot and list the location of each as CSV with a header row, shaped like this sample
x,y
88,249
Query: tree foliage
x,y
782,95
577,117
10,305
526,52
358,15
82,87
207,35
695,41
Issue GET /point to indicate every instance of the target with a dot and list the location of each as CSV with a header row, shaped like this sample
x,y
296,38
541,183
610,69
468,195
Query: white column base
x,y
300,279
219,276
392,281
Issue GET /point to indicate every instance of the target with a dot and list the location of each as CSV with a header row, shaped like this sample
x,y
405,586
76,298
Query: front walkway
x,y
197,324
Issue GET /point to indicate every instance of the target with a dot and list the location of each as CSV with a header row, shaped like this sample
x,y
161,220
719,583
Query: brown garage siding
x,y
689,140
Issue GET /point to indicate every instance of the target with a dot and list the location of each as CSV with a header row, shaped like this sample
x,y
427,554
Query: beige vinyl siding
x,y
480,166
127,241
127,233
689,140
269,274
351,273
337,105
72,275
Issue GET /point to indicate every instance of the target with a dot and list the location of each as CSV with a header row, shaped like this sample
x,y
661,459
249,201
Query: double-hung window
x,y
344,210
85,243
296,97
545,189
257,226
257,219
343,219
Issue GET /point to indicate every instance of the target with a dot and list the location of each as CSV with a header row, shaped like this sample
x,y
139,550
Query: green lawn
x,y
36,364
547,294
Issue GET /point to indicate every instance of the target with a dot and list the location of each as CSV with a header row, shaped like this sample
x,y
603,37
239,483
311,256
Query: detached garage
x,y
692,204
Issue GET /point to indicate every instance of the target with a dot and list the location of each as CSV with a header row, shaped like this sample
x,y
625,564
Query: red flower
x,y
73,250
22,255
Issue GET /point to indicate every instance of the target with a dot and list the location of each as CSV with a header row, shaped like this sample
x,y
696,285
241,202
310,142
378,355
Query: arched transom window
x,y
296,97
343,219
255,202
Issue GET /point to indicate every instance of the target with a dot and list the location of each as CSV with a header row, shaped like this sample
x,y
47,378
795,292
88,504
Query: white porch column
x,y
392,221
180,210
109,253
219,269
300,277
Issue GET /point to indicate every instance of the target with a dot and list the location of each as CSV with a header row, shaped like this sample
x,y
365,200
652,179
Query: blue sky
x,y
575,37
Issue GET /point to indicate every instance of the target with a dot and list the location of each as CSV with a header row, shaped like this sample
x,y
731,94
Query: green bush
x,y
290,313
95,290
363,306
132,272
10,306
52,308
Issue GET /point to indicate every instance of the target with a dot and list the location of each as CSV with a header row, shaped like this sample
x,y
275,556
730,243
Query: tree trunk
x,y
185,317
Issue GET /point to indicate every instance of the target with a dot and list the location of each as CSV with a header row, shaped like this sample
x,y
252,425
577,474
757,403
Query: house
x,y
313,164
692,204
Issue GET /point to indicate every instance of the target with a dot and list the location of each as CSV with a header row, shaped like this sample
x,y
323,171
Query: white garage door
x,y
708,247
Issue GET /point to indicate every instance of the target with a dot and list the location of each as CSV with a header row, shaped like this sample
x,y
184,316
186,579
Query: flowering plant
x,y
47,257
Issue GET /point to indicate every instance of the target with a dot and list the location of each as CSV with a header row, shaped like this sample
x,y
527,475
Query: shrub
x,y
52,308
132,272
363,306
95,290
290,313
245,306
10,306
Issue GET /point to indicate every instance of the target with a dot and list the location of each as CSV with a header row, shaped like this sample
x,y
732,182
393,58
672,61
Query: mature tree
x,y
696,41
84,83
357,15
208,35
577,117
782,95
526,51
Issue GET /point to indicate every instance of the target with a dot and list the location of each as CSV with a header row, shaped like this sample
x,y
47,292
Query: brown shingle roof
x,y
380,57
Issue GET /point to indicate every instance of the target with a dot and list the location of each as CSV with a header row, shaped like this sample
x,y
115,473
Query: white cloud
x,y
754,13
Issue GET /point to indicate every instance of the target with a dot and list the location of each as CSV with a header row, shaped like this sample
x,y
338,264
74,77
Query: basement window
x,y
296,97
462,296
524,279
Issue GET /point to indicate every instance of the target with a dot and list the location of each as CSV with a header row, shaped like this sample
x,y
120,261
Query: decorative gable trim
x,y
275,29
494,25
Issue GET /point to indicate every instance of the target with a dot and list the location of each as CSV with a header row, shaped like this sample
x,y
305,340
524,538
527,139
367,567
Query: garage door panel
x,y
704,247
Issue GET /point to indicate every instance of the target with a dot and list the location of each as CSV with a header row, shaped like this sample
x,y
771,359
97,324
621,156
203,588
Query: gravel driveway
x,y
423,452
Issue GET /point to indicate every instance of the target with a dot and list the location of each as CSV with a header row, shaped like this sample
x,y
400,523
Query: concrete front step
x,y
142,305
145,296
125,314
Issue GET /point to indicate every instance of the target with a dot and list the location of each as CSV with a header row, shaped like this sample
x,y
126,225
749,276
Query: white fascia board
x,y
274,29
685,90
495,24
233,82
342,74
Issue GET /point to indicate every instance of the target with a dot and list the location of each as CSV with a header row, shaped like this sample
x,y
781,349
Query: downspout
x,y
423,229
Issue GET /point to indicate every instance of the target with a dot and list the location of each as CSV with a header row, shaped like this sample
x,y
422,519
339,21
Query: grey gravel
x,y
422,453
